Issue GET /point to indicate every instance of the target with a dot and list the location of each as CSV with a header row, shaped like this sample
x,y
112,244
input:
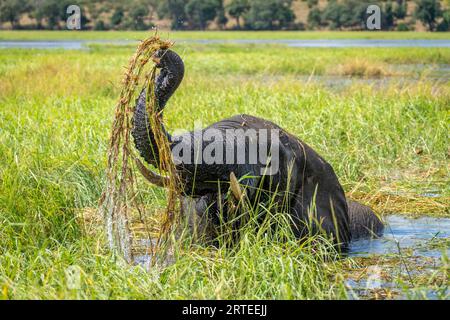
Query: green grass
x,y
56,109
225,35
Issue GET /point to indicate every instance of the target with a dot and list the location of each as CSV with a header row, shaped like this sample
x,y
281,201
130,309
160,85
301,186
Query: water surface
x,y
402,233
318,43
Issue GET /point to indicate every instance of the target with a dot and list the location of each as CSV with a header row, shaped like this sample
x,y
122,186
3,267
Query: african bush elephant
x,y
261,156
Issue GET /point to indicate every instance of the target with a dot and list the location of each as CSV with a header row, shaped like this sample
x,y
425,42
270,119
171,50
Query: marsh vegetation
x,y
385,132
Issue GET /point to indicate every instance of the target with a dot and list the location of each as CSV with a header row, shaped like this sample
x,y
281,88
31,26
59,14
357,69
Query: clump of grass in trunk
x,y
121,198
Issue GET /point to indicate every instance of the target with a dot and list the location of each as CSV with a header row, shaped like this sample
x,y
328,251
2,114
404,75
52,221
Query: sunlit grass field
x,y
381,117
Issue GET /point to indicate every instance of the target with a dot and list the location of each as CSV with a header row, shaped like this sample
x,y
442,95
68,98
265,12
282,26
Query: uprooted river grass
x,y
388,144
120,196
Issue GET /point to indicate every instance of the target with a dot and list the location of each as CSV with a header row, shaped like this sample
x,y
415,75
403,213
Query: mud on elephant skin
x,y
303,181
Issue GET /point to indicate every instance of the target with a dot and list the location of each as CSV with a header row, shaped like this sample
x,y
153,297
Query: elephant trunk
x,y
364,223
167,81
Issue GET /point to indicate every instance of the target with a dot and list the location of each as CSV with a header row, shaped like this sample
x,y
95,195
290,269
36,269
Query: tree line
x,y
224,14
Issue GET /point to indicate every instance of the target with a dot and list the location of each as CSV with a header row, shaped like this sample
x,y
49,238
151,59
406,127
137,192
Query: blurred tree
x,y
388,16
311,3
427,11
137,16
401,9
200,12
269,14
332,14
221,17
174,10
237,8
117,17
250,14
345,14
11,10
352,14
96,8
100,25
403,27
314,18
445,23
53,11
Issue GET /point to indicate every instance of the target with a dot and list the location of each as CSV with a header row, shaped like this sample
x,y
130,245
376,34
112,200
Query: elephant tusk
x,y
150,176
235,188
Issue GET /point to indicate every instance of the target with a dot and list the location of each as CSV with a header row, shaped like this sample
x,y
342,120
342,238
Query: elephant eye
x,y
310,179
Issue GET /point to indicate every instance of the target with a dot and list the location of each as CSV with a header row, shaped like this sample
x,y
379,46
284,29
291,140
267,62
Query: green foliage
x,y
314,18
400,10
428,11
345,14
137,16
311,3
237,8
351,14
402,27
199,13
203,14
175,11
221,16
100,25
56,110
388,16
117,17
269,14
192,14
11,10
53,11
445,23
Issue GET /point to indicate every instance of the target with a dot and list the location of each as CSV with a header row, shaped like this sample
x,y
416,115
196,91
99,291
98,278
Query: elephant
x,y
268,158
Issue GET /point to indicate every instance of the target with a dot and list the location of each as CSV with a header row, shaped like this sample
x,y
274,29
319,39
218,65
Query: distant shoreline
x,y
28,35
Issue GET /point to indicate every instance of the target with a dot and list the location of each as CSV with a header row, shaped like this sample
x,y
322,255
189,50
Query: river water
x,y
402,233
420,242
318,43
